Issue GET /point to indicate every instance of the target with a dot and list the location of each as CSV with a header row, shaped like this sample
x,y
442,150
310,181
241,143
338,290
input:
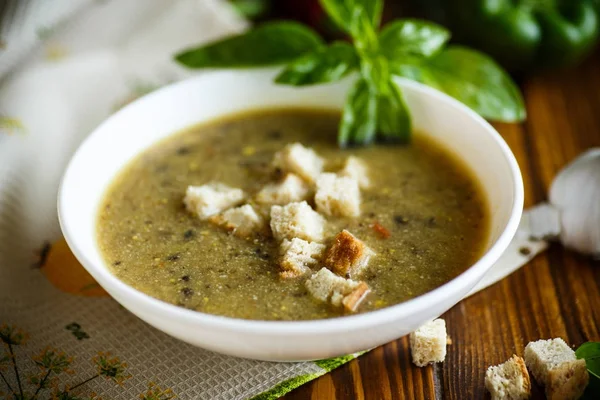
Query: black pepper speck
x,y
400,220
275,135
183,151
525,251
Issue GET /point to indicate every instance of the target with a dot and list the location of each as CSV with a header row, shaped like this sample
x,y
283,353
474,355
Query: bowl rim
x,y
320,326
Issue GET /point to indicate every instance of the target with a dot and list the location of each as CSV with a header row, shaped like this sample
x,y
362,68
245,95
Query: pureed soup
x,y
223,248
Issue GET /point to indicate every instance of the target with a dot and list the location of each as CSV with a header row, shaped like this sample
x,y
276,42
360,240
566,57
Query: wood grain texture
x,y
556,294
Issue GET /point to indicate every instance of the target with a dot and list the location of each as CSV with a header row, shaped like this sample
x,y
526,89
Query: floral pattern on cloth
x,y
51,363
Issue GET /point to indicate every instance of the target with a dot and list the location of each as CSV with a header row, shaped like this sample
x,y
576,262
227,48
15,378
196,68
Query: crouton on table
x,y
242,221
328,287
347,256
297,256
355,168
337,195
428,343
300,160
211,199
509,380
296,220
554,365
290,189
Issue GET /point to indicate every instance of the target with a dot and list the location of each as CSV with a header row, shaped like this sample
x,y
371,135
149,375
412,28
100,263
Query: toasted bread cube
x,y
296,220
242,221
567,381
299,160
212,198
508,381
347,256
328,287
554,365
428,343
357,169
297,256
290,189
337,195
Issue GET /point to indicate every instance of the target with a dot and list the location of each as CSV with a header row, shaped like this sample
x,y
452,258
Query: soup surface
x,y
424,216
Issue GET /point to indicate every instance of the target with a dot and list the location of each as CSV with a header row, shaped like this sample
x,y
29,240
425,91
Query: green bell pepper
x,y
521,34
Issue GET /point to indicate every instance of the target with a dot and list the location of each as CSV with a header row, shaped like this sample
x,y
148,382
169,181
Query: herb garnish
x,y
590,352
375,107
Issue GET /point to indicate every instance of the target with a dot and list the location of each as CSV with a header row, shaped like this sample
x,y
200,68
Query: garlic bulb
x,y
575,193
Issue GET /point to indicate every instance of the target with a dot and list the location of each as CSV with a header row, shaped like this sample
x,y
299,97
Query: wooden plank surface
x,y
556,294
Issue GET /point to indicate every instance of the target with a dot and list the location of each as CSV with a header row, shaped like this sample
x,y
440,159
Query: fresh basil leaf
x,y
359,119
590,352
476,80
413,72
342,11
376,72
393,117
269,44
363,33
250,9
412,37
328,64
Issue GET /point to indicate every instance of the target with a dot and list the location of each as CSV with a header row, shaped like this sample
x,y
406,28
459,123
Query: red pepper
x,y
381,230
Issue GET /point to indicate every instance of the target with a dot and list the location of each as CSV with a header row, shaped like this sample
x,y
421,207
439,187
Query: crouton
x,y
567,381
242,221
296,220
212,198
299,160
297,256
347,256
290,189
328,287
337,195
428,343
508,381
554,365
357,169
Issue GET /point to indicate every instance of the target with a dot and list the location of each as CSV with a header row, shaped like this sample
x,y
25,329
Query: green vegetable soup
x,y
424,216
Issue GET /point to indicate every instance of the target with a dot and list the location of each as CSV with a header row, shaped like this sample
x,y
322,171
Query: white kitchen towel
x,y
65,65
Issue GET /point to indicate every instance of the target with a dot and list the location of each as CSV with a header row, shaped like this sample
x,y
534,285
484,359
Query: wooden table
x,y
556,295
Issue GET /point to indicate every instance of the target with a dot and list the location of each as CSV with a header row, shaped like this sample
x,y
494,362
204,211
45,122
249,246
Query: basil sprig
x,y
590,352
375,107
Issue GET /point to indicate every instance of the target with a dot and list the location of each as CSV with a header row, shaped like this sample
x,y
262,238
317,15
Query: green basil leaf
x,y
363,33
328,64
359,119
412,37
413,72
376,72
393,117
590,351
342,11
269,44
476,80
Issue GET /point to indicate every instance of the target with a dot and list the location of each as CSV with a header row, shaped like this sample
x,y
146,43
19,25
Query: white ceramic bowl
x,y
136,127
